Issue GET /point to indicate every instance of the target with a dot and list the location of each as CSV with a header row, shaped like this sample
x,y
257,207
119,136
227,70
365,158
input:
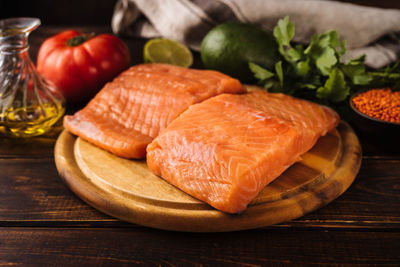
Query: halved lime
x,y
161,50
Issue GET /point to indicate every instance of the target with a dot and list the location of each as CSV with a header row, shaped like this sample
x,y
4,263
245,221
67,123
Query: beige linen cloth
x,y
374,32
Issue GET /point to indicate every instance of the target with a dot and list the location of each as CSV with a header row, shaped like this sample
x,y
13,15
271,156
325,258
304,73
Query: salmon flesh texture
x,y
225,150
129,112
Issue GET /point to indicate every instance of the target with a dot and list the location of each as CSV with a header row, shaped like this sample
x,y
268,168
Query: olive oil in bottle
x,y
29,105
32,120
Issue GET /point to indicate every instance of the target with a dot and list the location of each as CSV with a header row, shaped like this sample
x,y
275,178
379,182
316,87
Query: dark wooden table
x,y
42,223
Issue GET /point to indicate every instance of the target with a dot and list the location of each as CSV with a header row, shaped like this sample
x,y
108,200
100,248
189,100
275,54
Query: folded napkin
x,y
374,32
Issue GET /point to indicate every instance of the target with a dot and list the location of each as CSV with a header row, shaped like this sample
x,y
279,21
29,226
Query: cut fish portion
x,y
311,119
129,112
225,150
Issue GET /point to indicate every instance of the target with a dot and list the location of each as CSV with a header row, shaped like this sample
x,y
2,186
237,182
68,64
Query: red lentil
x,y
382,104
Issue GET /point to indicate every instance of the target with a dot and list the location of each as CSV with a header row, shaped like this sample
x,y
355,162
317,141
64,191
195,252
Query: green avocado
x,y
229,47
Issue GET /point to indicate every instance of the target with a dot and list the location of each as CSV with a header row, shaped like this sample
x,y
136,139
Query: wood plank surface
x,y
148,247
32,193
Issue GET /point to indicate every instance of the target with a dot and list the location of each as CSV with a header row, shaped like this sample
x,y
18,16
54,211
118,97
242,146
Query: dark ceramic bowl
x,y
382,132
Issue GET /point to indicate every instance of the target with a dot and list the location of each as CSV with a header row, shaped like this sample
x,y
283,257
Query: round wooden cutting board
x,y
128,190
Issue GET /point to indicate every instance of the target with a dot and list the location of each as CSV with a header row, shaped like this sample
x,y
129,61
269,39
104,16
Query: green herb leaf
x,y
395,67
293,54
279,72
284,31
329,39
326,60
355,70
343,49
335,88
385,75
322,51
309,86
303,68
259,72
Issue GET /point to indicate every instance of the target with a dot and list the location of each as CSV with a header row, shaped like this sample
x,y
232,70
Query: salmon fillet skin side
x,y
130,111
225,150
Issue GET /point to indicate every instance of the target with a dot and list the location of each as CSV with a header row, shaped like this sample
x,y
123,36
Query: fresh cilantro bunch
x,y
315,72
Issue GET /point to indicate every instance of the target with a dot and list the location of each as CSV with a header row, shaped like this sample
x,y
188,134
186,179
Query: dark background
x,y
61,12
97,12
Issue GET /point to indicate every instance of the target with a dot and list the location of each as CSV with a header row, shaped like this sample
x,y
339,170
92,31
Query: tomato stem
x,y
79,39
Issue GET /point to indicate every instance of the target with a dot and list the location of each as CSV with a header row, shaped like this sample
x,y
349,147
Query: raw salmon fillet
x,y
225,150
129,112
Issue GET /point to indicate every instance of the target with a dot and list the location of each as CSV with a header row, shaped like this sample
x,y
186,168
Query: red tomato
x,y
79,65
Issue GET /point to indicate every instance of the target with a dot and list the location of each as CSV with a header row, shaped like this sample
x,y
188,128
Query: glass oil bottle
x,y
29,105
